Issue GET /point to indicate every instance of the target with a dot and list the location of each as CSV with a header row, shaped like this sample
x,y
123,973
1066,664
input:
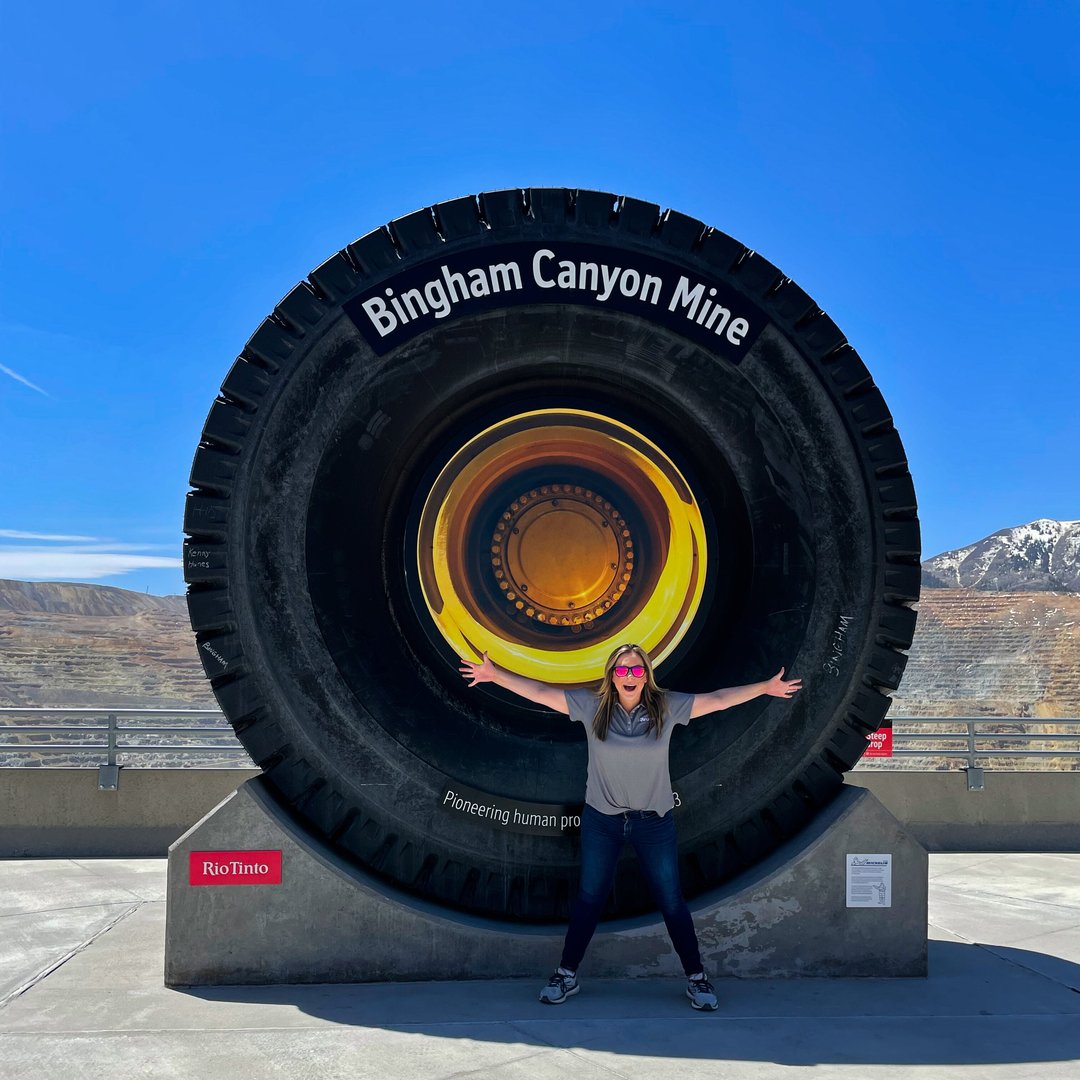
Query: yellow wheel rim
x,y
553,536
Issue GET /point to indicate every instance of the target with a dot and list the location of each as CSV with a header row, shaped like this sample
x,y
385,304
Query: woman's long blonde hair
x,y
652,697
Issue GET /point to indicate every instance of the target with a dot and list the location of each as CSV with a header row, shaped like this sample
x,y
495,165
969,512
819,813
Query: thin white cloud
x,y
18,534
104,547
36,332
19,378
63,564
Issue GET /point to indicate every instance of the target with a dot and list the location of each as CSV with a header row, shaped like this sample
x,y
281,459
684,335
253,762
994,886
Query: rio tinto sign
x,y
234,868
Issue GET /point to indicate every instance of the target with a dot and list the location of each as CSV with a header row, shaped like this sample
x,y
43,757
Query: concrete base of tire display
x,y
325,920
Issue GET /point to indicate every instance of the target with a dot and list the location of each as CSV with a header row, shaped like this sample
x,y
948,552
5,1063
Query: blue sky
x,y
170,170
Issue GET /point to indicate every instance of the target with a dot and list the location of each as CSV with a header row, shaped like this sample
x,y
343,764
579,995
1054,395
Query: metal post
x,y
974,773
109,775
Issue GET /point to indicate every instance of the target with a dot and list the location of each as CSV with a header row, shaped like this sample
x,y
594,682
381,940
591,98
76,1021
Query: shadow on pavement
x,y
980,1005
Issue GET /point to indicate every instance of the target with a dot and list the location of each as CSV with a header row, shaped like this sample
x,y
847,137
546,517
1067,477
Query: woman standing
x,y
628,720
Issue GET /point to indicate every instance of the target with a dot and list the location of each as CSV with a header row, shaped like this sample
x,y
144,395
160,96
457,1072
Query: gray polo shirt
x,y
629,769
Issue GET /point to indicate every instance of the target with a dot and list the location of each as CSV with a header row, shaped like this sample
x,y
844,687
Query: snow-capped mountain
x,y
1042,556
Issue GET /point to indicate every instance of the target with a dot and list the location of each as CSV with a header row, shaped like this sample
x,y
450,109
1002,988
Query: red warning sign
x,y
880,742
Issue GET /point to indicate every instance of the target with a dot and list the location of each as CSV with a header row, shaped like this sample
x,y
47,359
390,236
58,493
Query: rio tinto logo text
x,y
234,868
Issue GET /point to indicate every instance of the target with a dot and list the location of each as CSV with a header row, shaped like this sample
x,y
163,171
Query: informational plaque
x,y
869,881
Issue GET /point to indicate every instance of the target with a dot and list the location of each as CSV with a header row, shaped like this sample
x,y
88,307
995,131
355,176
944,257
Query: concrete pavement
x,y
81,995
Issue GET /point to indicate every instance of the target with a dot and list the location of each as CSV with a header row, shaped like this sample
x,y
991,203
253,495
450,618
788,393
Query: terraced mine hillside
x,y
976,653
993,654
93,645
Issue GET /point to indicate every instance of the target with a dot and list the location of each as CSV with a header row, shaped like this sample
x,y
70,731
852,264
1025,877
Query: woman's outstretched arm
x,y
488,671
736,695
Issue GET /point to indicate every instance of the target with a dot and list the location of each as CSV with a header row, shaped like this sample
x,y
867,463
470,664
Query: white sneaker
x,y
559,987
701,993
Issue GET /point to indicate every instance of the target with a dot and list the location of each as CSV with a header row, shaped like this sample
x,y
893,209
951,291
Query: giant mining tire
x,y
391,465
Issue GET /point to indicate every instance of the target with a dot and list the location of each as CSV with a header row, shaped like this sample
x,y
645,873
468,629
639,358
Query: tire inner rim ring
x,y
554,535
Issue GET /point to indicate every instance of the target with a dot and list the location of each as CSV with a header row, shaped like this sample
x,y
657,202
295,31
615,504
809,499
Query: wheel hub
x,y
562,554
551,536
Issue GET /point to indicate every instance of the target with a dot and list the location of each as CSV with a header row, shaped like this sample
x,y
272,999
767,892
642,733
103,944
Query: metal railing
x,y
979,741
980,737
111,731
975,740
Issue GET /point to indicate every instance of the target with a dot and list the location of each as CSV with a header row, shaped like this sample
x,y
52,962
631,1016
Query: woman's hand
x,y
778,687
730,696
481,672
551,697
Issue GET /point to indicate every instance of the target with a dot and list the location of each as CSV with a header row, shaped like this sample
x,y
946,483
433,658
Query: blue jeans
x,y
653,838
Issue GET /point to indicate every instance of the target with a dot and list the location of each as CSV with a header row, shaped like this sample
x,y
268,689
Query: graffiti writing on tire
x,y
831,666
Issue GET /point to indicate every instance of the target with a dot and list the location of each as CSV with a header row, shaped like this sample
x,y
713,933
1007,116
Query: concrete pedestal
x,y
328,921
